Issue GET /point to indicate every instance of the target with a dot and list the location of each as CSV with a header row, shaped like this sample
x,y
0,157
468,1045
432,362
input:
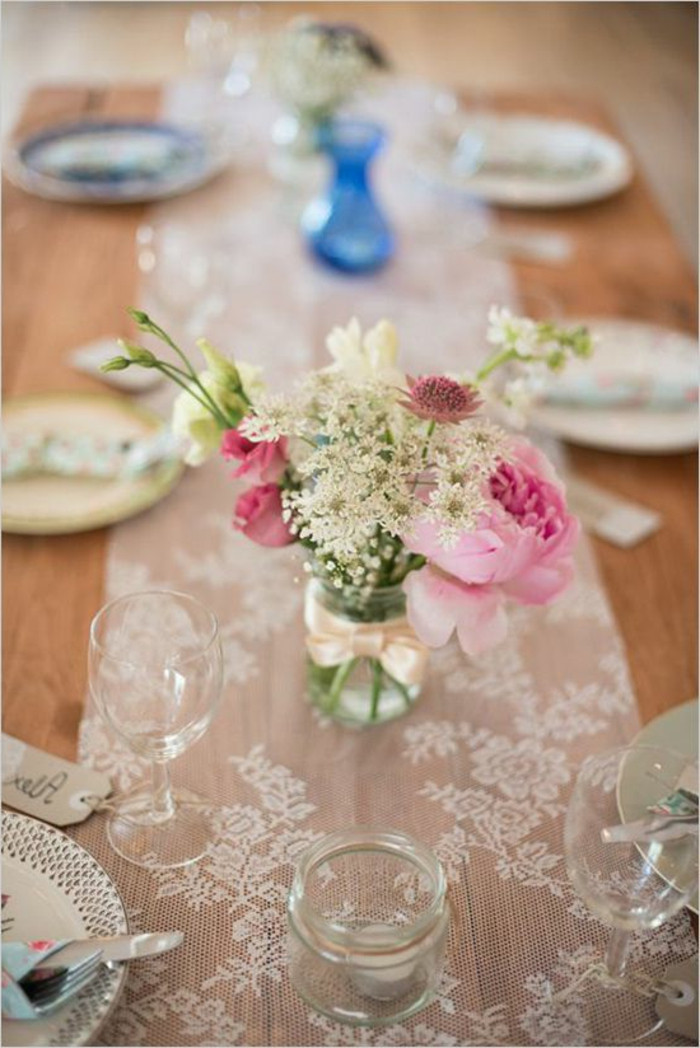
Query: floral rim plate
x,y
525,161
677,729
56,889
54,505
637,348
114,161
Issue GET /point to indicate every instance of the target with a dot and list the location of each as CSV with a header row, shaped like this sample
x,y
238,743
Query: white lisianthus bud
x,y
224,370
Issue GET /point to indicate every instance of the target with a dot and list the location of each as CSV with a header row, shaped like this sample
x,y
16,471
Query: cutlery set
x,y
63,972
671,818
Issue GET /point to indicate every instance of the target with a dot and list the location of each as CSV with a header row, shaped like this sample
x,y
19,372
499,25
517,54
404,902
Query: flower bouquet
x,y
317,67
419,515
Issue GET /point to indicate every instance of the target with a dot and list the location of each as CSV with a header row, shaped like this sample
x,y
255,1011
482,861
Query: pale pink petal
x,y
429,607
482,621
541,584
564,543
526,454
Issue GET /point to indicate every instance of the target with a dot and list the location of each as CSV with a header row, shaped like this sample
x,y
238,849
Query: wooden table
x,y
68,274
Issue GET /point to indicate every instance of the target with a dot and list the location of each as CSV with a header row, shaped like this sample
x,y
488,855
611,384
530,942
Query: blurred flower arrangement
x,y
316,67
415,509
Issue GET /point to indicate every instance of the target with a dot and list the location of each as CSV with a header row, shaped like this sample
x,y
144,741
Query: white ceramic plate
x,y
636,349
677,729
523,161
57,890
115,161
55,505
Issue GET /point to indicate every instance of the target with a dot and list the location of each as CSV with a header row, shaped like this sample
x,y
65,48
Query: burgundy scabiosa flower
x,y
440,399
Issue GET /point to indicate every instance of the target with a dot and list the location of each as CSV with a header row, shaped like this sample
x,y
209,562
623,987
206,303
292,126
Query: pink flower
x,y
40,945
258,514
262,461
440,399
521,551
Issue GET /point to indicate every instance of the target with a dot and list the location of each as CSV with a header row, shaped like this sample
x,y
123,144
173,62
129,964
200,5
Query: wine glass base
x,y
605,1014
140,838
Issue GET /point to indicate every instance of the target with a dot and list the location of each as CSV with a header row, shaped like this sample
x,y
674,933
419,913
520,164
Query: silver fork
x,y
51,993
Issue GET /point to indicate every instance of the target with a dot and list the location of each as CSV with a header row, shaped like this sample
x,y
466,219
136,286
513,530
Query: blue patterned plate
x,y
114,161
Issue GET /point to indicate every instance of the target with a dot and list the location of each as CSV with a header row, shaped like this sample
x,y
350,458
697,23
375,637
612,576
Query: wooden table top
x,y
69,271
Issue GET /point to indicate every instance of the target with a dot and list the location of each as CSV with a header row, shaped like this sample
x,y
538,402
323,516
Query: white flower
x,y
345,346
380,346
518,397
192,421
315,73
509,332
363,358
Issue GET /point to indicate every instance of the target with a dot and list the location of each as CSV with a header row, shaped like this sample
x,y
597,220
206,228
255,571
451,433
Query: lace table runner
x,y
480,769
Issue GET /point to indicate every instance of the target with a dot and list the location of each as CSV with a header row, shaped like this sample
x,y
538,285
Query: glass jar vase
x,y
368,920
365,664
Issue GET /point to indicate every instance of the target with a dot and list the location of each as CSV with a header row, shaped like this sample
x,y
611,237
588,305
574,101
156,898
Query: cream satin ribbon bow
x,y
332,640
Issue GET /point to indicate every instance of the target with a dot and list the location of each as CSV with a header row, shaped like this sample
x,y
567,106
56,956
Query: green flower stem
x,y
417,561
376,688
211,405
495,362
336,688
173,374
151,326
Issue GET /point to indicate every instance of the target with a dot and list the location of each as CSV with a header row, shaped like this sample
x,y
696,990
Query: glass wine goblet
x,y
630,884
155,669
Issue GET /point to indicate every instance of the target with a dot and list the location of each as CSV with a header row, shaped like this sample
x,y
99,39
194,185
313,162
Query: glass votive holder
x,y
368,920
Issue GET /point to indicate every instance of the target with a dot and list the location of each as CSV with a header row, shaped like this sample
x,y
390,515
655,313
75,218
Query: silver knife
x,y
116,948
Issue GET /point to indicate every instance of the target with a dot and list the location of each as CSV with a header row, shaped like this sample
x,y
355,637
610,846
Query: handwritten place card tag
x,y
610,517
48,787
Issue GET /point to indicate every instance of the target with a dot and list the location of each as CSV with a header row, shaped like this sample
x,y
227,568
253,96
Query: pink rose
x,y
258,514
521,550
261,461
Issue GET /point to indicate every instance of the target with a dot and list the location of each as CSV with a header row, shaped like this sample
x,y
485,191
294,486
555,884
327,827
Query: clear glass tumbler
x,y
368,921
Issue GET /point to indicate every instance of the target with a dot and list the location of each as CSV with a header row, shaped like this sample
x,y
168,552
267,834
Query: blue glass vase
x,y
345,227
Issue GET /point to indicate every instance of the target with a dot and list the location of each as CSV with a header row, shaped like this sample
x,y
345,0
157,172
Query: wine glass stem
x,y
163,804
616,953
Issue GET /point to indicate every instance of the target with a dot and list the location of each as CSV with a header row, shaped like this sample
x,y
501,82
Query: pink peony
x,y
440,399
521,550
258,514
261,461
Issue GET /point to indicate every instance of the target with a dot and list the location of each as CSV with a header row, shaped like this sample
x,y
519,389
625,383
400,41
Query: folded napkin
x,y
603,389
18,960
81,455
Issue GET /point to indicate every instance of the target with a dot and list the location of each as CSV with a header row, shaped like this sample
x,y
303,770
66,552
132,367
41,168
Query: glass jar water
x,y
359,690
368,920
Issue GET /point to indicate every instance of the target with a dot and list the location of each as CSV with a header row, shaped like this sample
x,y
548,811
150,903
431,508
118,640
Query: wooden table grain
x,y
68,274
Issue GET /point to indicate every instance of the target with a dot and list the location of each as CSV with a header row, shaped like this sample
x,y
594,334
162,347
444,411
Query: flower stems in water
x,y
336,688
376,689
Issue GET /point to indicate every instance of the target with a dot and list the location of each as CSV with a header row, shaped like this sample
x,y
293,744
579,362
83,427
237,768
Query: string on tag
x,y
102,804
638,982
